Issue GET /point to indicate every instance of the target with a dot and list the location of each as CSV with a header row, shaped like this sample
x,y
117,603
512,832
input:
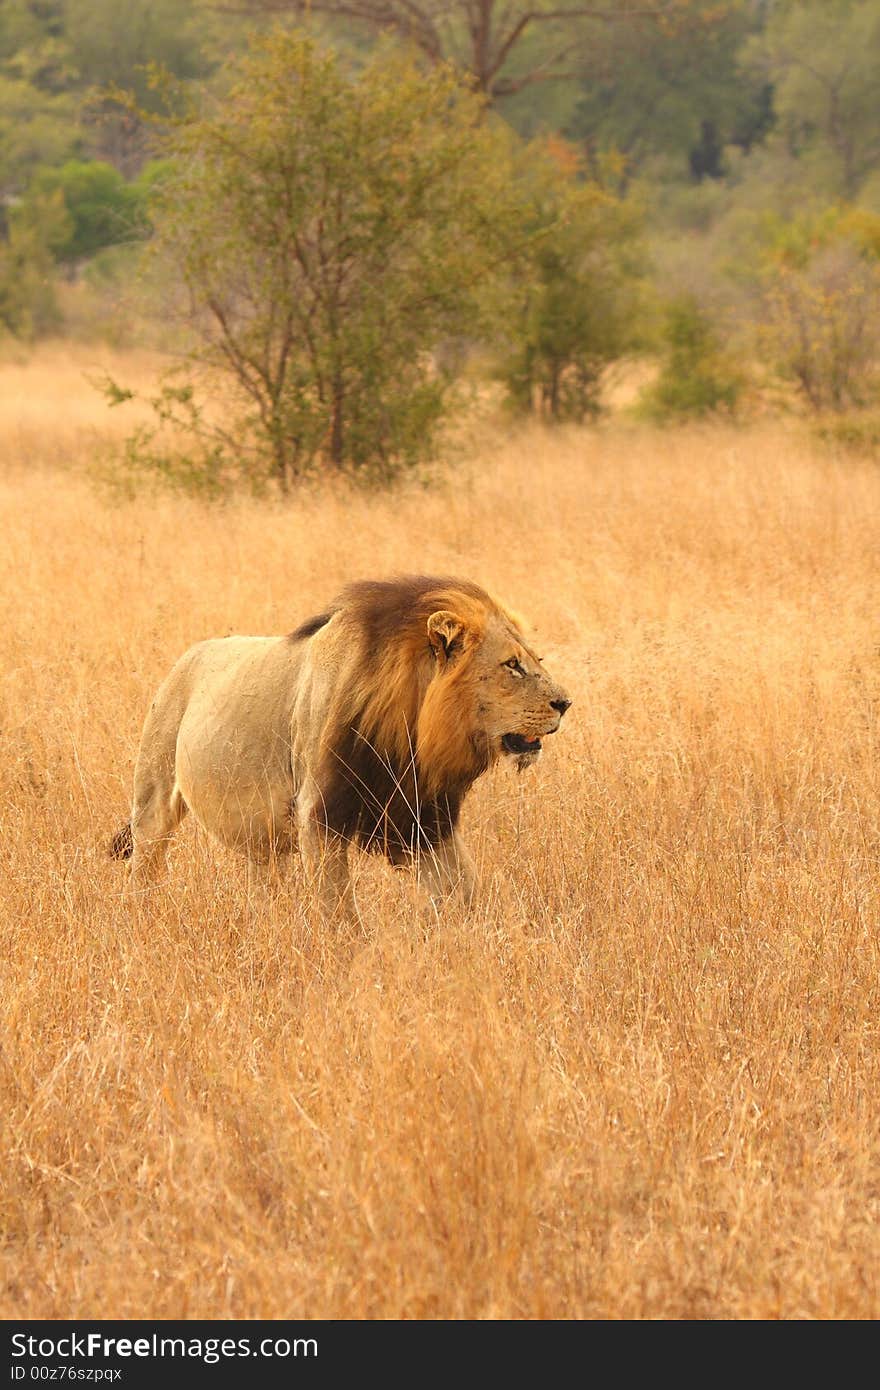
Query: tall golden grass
x,y
641,1079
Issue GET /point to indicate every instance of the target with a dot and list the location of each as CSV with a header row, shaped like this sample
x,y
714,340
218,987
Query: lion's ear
x,y
446,634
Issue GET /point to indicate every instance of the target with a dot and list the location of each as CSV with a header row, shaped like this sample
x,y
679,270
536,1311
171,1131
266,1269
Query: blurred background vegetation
x,y
349,208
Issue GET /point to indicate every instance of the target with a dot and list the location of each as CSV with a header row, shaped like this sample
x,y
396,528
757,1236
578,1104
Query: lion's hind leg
x,y
267,868
155,817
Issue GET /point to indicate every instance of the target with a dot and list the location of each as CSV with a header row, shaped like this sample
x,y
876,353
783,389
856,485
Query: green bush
x,y
329,232
28,298
574,307
103,208
822,310
696,377
857,432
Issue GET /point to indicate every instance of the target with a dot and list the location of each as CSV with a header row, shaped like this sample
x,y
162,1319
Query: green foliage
x,y
330,232
103,208
822,58
38,112
574,308
35,128
115,43
721,118
821,320
58,58
857,432
824,328
696,377
673,90
28,303
176,451
68,215
116,47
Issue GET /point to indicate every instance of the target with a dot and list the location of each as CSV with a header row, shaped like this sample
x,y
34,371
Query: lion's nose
x,y
562,705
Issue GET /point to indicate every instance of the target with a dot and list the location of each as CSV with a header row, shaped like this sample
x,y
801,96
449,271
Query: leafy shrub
x,y
574,307
103,208
822,307
28,300
696,377
329,232
824,327
857,432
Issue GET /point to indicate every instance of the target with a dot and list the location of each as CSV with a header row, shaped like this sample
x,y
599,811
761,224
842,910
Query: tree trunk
x,y
282,468
337,422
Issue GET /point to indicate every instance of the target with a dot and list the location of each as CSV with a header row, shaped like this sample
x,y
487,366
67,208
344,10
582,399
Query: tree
x,y
114,45
57,60
102,208
575,309
28,305
35,128
822,58
822,308
329,233
696,377
484,38
679,92
31,41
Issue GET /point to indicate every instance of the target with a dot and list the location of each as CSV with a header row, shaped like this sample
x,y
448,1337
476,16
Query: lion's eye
x,y
513,665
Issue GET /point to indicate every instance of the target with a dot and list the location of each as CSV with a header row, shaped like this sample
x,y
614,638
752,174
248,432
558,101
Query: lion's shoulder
x,y
389,777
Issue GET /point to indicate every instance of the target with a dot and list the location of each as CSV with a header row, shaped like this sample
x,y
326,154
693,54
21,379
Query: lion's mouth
x,y
519,744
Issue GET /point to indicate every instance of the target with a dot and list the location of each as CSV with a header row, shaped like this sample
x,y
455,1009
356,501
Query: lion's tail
x,y
122,844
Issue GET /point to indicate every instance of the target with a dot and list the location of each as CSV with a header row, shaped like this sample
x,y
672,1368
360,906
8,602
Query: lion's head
x,y
489,692
446,683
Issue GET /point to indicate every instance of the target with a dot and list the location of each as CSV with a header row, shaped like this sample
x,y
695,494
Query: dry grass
x,y
640,1081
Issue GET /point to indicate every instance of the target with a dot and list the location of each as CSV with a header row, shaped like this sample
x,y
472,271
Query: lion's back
x,y
225,710
237,688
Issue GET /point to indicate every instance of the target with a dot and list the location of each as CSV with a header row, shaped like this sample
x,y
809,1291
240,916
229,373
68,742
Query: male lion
x,y
366,725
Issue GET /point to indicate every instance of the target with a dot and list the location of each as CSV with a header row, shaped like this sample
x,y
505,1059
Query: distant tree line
x,y
607,178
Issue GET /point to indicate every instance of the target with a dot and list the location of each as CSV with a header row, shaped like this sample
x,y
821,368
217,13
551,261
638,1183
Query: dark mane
x,y
374,784
310,626
386,608
377,804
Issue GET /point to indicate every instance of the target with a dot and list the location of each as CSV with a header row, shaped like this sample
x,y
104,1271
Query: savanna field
x,y
639,1080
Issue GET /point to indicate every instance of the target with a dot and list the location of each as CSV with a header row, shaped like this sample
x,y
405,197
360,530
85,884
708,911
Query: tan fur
x,y
367,725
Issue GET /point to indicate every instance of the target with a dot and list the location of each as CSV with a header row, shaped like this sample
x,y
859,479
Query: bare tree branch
x,y
479,36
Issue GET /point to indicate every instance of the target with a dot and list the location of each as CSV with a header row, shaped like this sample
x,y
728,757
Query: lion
x,y
366,725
